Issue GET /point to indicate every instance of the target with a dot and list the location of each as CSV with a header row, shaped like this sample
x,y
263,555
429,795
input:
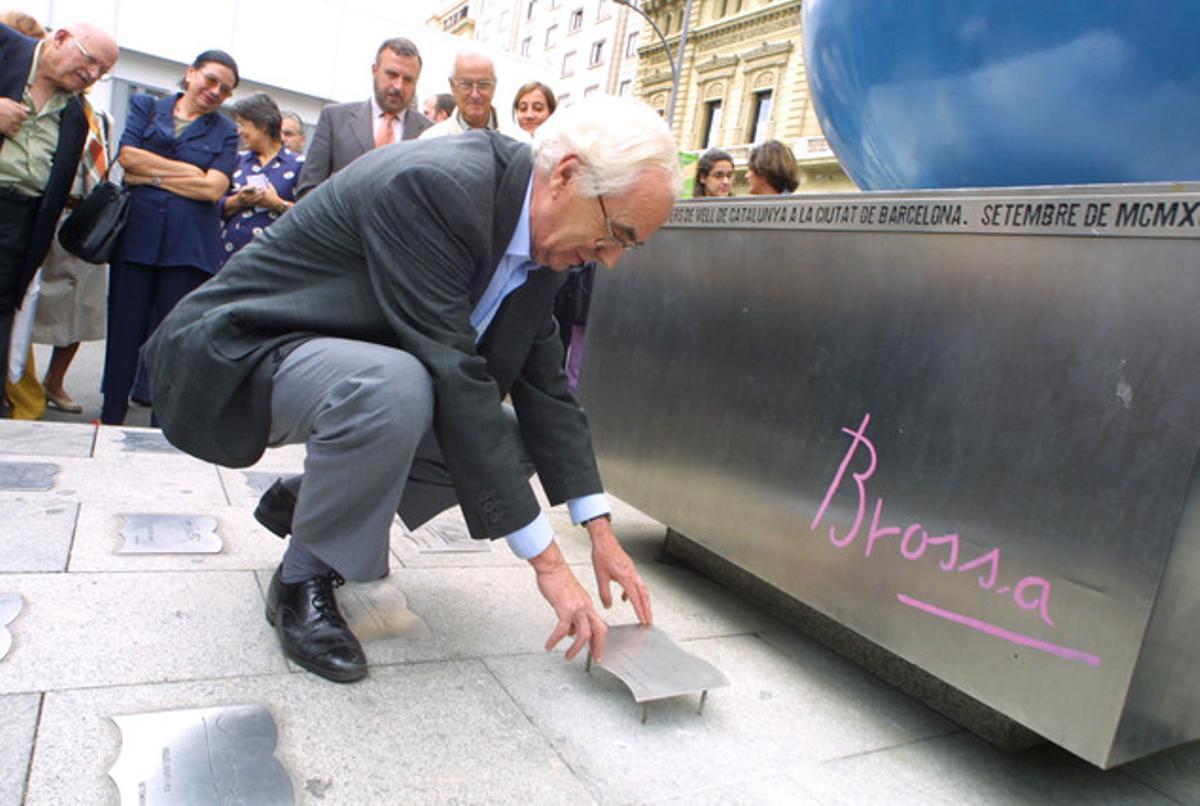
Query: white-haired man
x,y
472,84
382,322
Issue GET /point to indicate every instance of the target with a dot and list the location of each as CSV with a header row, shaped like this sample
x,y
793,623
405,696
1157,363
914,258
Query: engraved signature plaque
x,y
205,755
147,442
170,534
27,475
654,667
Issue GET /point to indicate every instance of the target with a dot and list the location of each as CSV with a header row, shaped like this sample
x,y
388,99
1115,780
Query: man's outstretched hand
x,y
572,605
612,564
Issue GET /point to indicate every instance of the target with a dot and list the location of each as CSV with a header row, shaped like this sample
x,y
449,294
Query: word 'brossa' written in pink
x,y
1030,593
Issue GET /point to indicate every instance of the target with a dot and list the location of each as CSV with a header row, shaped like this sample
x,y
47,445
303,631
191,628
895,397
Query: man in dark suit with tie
x,y
347,131
42,132
382,322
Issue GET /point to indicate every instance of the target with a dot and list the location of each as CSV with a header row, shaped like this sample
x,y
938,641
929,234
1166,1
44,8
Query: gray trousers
x,y
364,412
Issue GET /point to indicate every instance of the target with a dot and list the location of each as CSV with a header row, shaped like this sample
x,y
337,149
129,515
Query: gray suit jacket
x,y
396,250
344,133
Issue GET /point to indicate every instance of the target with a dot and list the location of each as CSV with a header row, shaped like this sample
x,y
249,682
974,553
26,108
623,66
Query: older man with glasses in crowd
x,y
42,132
473,84
383,322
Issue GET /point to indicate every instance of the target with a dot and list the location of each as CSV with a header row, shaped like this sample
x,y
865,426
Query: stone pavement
x,y
463,706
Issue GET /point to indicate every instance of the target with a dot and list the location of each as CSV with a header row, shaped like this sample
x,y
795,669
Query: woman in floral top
x,y
264,180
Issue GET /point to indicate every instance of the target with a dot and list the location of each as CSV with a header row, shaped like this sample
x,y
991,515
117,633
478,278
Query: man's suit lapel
x,y
515,163
361,127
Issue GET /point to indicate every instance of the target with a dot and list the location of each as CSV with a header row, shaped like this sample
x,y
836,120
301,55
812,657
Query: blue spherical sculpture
x,y
974,93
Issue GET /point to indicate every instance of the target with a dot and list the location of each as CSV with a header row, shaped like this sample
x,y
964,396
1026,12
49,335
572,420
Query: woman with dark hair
x,y
714,174
264,181
772,169
533,103
178,154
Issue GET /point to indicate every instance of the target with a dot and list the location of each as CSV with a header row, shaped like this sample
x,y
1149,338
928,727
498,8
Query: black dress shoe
x,y
311,630
275,509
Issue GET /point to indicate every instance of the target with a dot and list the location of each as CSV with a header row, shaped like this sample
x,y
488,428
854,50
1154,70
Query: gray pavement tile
x,y
36,535
1175,773
687,605
785,789
854,684
774,717
470,612
246,544
32,438
18,726
960,768
442,732
112,629
482,612
164,481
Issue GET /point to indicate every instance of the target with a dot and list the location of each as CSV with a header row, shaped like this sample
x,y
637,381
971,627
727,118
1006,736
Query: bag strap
x,y
96,146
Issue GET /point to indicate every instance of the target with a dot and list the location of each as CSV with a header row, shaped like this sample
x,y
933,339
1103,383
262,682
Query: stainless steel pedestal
x,y
962,424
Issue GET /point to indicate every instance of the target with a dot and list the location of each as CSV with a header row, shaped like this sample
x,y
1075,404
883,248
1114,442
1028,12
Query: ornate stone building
x,y
742,80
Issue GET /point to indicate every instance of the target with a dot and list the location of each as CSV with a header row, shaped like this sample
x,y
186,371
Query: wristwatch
x,y
606,517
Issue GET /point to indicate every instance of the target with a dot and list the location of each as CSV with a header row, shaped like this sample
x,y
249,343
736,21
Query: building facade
x,y
589,47
742,81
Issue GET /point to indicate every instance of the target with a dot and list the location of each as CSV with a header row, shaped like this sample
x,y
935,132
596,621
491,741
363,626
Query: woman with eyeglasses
x,y
179,155
714,174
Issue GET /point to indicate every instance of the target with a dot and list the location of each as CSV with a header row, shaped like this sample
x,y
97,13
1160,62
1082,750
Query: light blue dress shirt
x,y
511,273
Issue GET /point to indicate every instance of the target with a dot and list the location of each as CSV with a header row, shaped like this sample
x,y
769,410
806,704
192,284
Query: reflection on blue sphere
x,y
974,93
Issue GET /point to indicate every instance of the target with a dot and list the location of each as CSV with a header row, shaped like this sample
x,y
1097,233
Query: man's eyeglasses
x,y
213,81
469,85
612,240
94,65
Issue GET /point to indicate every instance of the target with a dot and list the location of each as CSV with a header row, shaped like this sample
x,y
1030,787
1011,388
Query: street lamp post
x,y
676,62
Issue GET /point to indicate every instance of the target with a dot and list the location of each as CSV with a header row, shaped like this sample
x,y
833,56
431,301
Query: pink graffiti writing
x,y
1001,633
914,541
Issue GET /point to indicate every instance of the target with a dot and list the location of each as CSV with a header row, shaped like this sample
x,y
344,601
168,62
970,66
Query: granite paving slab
x,y
438,732
1175,773
166,482
774,717
247,545
483,612
470,612
960,768
113,629
18,726
32,438
36,535
783,789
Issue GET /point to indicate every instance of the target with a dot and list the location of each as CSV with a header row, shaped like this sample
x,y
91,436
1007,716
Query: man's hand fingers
x,y
583,636
599,636
560,632
603,583
638,595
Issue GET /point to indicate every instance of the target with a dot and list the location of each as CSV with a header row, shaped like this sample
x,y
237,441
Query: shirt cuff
x,y
530,541
587,507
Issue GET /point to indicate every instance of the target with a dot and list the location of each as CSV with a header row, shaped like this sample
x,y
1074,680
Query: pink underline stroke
x,y
1000,632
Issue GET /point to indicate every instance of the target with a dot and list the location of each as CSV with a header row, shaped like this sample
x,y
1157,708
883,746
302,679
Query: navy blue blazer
x,y
165,229
16,56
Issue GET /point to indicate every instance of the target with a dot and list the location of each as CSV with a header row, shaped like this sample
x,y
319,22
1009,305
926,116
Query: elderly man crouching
x,y
382,322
